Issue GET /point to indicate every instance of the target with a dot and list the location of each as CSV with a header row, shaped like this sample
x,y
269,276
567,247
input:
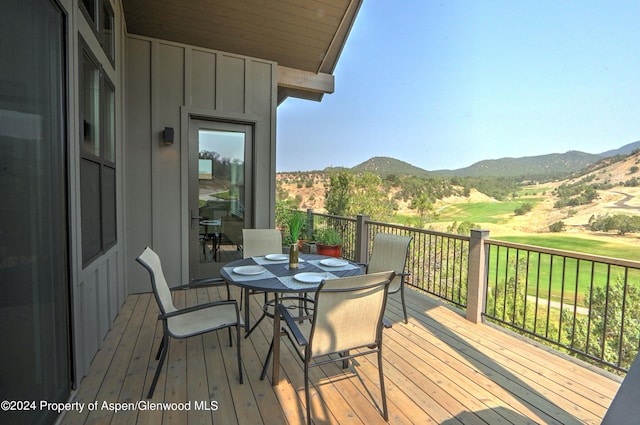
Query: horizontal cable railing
x,y
585,304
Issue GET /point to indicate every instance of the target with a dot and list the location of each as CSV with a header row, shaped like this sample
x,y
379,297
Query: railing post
x,y
476,288
361,250
309,223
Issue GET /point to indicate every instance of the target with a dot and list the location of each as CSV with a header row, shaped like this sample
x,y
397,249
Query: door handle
x,y
194,217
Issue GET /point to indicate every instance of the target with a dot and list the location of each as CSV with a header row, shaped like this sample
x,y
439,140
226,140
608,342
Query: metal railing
x,y
345,226
437,262
586,305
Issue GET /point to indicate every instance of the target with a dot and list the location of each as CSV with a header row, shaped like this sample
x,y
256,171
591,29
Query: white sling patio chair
x,y
257,242
186,322
390,252
348,315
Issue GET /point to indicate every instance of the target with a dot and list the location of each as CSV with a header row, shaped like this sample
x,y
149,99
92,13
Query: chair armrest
x,y
197,307
206,281
403,276
291,324
198,283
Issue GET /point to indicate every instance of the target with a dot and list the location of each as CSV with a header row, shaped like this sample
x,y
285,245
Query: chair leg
x,y
266,360
385,413
163,355
162,342
239,352
246,309
345,362
404,305
306,392
275,344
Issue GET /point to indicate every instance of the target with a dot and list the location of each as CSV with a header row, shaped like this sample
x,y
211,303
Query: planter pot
x,y
329,250
309,248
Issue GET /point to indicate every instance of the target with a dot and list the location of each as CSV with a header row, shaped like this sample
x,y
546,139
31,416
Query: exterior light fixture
x,y
167,135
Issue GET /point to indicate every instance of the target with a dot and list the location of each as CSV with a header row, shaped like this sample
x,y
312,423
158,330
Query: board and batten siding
x,y
166,84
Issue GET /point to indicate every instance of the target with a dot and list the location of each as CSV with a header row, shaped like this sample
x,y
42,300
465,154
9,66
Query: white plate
x,y
249,270
276,257
310,277
334,262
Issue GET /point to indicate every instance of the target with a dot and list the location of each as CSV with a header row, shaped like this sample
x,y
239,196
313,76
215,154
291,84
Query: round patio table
x,y
276,277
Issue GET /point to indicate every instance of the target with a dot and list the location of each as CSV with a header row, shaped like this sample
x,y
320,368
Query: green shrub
x,y
557,227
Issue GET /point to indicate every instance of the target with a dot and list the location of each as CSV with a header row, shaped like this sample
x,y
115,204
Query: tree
x,y
620,222
338,193
369,198
523,209
426,211
603,329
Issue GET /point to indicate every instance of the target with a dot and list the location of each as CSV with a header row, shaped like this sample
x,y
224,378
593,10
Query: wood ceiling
x,y
304,35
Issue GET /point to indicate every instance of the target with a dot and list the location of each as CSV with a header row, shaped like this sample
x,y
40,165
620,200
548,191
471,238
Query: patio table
x,y
277,277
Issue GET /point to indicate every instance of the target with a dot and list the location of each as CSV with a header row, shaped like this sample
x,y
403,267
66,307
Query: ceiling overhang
x,y
305,37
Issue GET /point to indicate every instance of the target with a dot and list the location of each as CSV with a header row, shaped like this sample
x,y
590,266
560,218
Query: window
x,y
107,36
89,9
97,159
100,16
37,363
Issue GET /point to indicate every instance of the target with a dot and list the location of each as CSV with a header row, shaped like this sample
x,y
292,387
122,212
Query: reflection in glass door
x,y
218,194
35,360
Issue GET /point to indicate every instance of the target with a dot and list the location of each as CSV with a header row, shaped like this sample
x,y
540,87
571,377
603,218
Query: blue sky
x,y
444,84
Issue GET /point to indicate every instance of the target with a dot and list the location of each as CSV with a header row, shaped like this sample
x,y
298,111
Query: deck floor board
x,y
439,369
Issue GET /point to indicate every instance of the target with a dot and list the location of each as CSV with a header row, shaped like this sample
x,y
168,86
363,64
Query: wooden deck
x,y
439,369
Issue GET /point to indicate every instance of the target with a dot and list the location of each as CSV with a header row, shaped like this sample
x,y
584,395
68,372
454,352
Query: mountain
x,y
624,150
555,165
550,165
383,165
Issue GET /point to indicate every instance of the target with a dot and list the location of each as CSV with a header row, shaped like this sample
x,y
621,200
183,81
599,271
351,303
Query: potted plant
x,y
295,224
328,242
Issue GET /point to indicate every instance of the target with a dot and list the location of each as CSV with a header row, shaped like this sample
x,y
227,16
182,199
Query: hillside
x,y
617,180
624,150
618,195
382,165
552,165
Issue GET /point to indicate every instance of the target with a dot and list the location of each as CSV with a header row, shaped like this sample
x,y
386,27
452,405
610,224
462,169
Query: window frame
x,y
102,9
98,187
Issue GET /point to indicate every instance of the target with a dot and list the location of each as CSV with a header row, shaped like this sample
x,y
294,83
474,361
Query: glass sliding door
x,y
219,173
34,277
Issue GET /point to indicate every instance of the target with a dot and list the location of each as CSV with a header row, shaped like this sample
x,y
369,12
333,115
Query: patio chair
x,y
624,408
348,315
186,322
390,252
257,242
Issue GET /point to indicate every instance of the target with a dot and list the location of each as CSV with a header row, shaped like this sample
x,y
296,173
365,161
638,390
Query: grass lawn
x,y
482,212
553,276
533,190
570,243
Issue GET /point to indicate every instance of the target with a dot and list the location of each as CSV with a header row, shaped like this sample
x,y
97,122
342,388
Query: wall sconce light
x,y
167,135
